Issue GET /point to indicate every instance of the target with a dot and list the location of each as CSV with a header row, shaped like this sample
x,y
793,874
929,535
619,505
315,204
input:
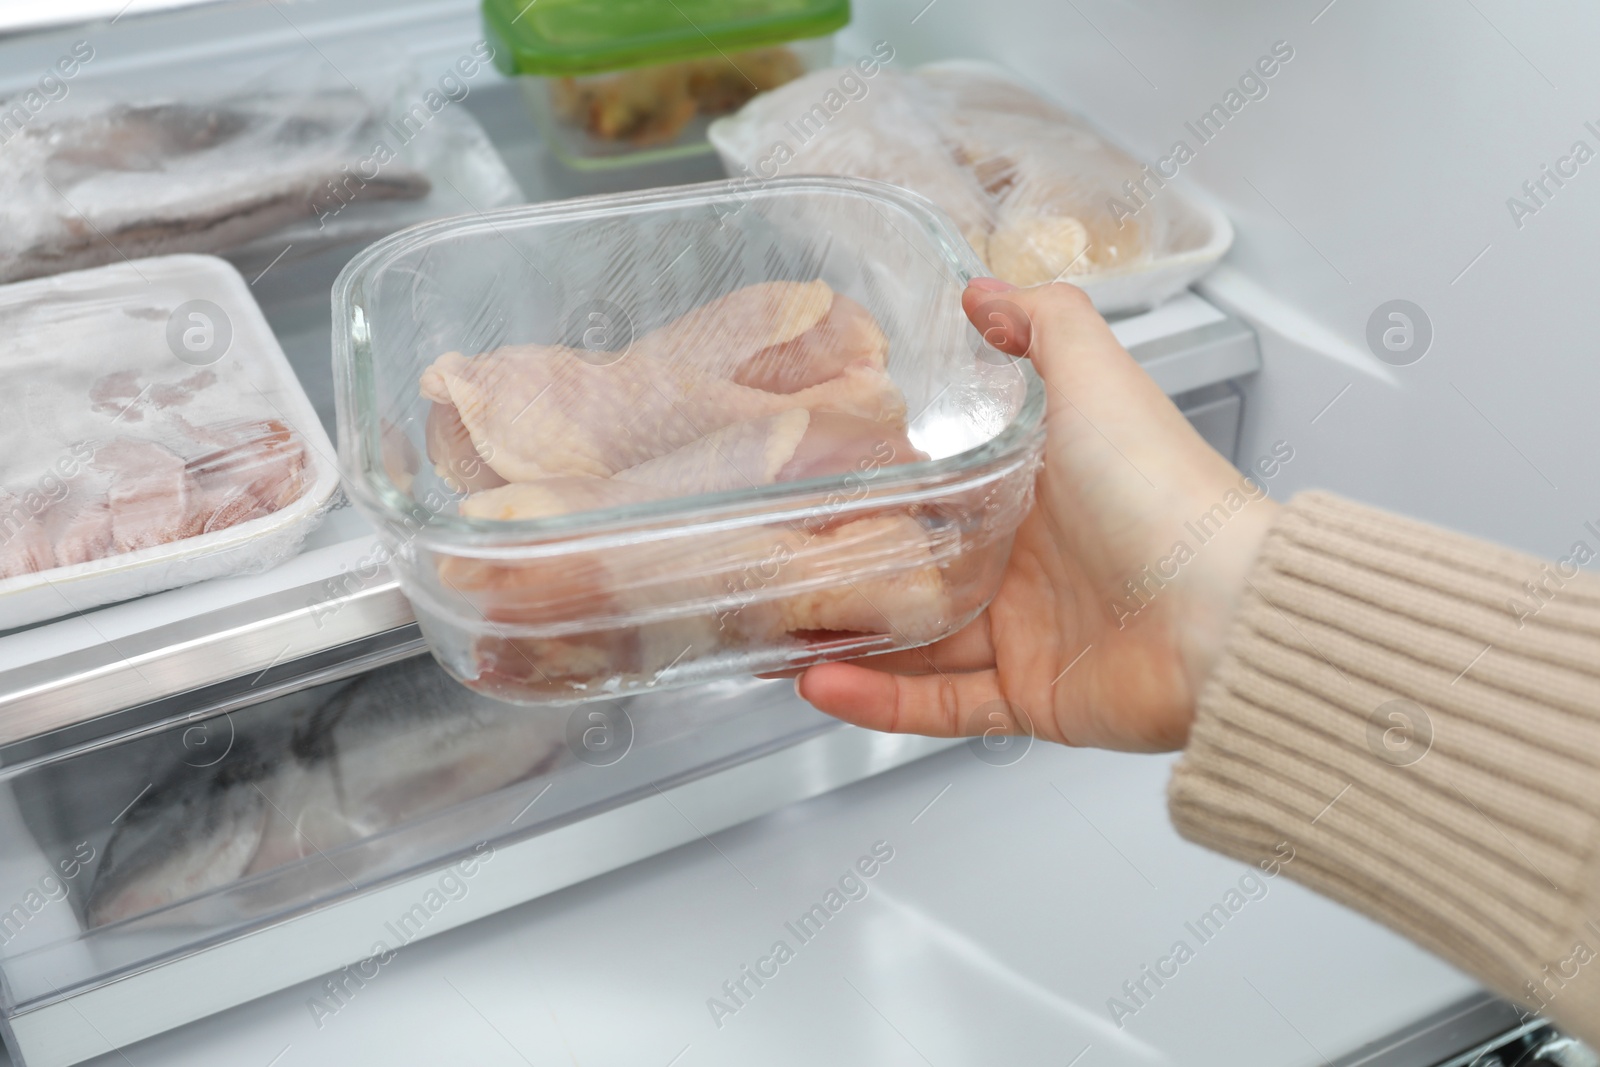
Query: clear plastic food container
x,y
624,82
152,434
625,442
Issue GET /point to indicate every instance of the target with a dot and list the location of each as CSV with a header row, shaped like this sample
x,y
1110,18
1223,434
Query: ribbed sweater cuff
x,y
1424,731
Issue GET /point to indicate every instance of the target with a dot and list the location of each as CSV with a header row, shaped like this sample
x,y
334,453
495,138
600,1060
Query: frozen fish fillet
x,y
401,743
196,831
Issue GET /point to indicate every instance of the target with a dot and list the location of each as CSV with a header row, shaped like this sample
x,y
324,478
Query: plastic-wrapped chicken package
x,y
287,158
1038,194
152,434
625,442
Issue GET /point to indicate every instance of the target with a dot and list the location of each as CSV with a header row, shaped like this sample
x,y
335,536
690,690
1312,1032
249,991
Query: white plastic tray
x,y
132,302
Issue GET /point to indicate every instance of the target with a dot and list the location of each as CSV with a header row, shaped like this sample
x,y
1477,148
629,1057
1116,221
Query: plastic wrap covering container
x,y
266,160
215,821
1039,194
664,438
623,82
152,434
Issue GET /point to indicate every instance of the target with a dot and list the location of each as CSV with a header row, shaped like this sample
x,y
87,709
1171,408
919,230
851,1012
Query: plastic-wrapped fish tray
x,y
153,435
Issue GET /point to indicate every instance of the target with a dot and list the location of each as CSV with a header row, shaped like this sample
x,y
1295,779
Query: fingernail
x,y
991,285
797,680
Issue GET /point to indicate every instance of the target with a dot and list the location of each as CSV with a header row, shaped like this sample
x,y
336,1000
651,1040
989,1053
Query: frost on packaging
x,y
1029,184
297,155
146,409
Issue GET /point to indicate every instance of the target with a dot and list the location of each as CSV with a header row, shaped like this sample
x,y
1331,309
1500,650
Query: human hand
x,y
1076,655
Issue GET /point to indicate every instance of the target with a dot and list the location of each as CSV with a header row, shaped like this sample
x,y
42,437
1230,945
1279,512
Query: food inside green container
x,y
629,80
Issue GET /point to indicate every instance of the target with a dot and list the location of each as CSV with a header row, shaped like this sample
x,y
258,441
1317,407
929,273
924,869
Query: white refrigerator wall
x,y
1377,166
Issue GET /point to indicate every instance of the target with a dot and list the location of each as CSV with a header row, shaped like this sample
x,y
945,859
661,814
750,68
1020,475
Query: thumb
x,y
1072,348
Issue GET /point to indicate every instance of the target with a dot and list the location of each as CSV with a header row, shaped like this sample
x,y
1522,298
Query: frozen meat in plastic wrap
x,y
297,156
151,435
889,135
1030,185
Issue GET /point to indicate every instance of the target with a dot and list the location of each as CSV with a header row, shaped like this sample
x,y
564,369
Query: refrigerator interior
x,y
1346,193
1375,165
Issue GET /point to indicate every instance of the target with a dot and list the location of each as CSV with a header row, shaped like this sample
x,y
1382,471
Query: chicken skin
x,y
772,383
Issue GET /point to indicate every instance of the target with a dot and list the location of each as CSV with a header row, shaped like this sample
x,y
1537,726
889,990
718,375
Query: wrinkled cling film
x,y
595,390
144,420
295,155
1029,184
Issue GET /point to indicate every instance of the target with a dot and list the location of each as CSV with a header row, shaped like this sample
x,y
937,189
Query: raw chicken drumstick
x,y
778,336
703,605
693,586
530,411
533,411
788,447
792,446
775,382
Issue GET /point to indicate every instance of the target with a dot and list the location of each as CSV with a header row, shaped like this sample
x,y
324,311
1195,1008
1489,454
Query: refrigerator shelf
x,y
338,591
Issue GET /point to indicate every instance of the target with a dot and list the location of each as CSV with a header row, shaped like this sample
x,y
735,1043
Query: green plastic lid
x,y
592,36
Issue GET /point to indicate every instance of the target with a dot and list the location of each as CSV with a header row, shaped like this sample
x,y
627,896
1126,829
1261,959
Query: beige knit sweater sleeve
x,y
1418,714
